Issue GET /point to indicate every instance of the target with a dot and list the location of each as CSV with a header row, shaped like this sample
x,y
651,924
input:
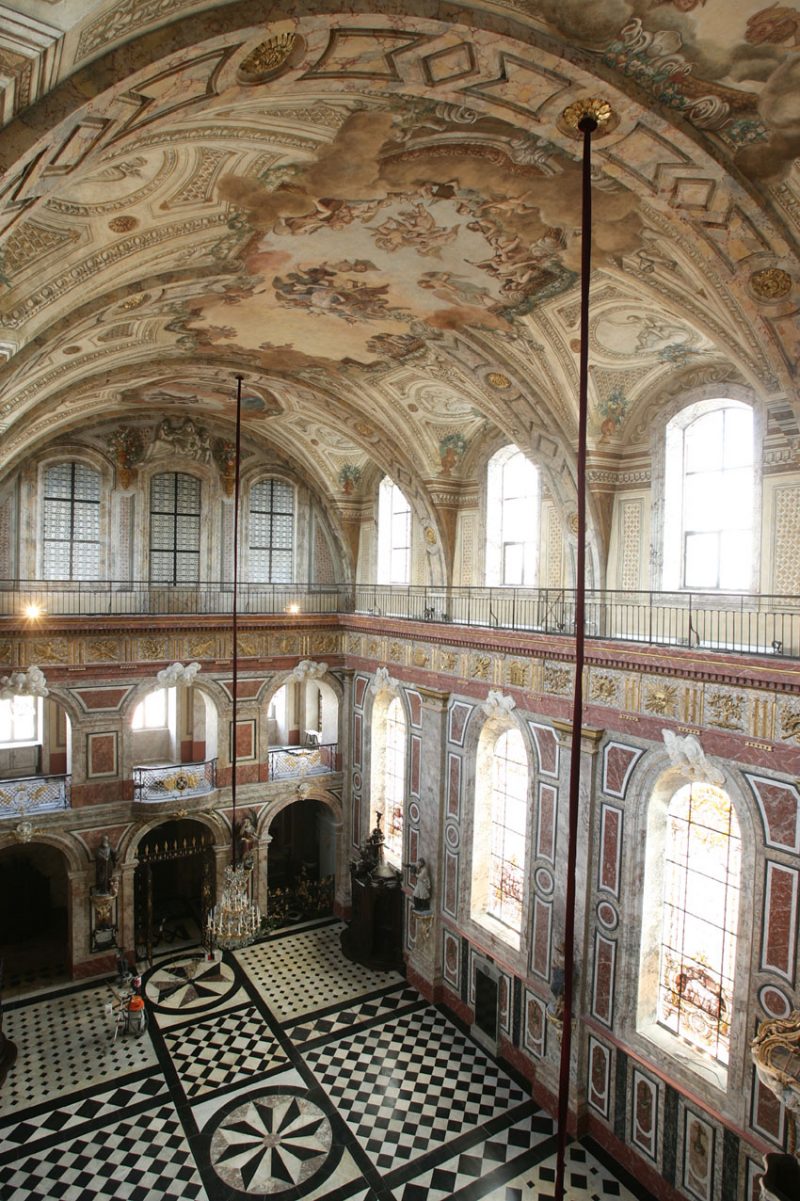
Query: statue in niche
x,y
247,841
104,863
422,887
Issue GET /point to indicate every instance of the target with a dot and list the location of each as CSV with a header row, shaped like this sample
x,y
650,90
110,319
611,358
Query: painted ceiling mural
x,y
376,219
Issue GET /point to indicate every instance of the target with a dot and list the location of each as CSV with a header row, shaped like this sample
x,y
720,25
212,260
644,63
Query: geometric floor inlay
x,y
189,983
218,1050
271,1143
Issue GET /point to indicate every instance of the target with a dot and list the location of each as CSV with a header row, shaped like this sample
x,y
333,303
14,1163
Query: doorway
x,y
301,862
34,917
174,887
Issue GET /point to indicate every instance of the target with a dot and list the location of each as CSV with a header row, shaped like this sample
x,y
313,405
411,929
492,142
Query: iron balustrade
x,y
165,781
297,762
730,622
25,795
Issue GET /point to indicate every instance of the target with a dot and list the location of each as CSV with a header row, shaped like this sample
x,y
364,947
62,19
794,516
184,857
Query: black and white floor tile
x,y
282,1071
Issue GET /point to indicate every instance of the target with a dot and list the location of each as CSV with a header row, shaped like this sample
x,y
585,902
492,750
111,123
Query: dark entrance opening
x,y
34,923
486,1004
301,862
174,887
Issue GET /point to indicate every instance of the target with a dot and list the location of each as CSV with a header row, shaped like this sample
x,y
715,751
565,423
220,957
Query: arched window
x,y
498,852
394,535
389,740
700,916
156,711
708,519
512,519
71,522
20,720
174,528
271,532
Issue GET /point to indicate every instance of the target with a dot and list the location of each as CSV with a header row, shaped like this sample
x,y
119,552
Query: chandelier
x,y
235,920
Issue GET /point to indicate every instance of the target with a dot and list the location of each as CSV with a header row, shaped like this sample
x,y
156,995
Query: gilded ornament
x,y
599,110
771,283
420,658
447,661
556,679
269,57
134,302
603,688
481,667
572,522
430,536
727,710
498,380
395,651
104,649
372,649
354,646
123,225
153,648
661,698
200,648
518,675
790,725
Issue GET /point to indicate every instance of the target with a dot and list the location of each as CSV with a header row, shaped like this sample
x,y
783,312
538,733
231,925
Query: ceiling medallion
x,y
771,283
498,380
122,225
270,57
590,106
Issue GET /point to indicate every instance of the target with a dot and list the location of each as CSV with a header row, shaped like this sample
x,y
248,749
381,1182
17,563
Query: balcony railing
x,y
740,622
34,794
297,762
165,781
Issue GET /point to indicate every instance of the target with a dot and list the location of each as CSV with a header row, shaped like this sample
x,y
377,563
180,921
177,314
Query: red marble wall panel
x,y
599,1076
414,707
101,754
779,806
535,1025
540,938
618,763
451,959
357,719
246,739
101,698
413,845
766,1114
779,939
453,785
610,848
450,901
605,953
458,717
547,748
546,822
504,1003
416,755
644,1124
359,688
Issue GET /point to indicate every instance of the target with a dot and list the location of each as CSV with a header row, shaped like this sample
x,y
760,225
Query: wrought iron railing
x,y
742,622
165,781
296,762
34,794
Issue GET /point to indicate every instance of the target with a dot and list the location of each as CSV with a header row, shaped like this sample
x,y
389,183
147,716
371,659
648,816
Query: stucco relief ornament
x,y
307,669
24,831
24,683
498,706
383,682
688,755
177,674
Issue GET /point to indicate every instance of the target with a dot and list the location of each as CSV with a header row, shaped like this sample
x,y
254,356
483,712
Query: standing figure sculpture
x,y
422,887
104,864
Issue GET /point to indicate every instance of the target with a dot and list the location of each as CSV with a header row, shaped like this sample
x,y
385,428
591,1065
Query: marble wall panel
x,y
698,1156
457,722
644,1114
416,755
101,755
546,821
451,959
450,892
453,785
547,748
619,761
535,1027
779,807
779,936
598,1093
767,1115
608,869
541,934
605,955
357,730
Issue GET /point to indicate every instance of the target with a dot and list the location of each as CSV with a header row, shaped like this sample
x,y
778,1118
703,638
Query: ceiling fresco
x,y
375,219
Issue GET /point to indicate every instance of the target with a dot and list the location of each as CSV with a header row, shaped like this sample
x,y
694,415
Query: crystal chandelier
x,y
236,919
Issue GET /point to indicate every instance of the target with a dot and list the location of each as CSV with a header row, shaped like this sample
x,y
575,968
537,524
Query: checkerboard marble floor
x,y
285,1072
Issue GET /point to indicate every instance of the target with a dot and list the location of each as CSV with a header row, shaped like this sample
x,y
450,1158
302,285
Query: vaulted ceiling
x,y
371,211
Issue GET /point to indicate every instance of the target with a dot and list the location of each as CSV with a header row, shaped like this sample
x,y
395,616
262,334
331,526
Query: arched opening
x,y
34,917
301,862
173,727
174,886
388,771
302,729
35,752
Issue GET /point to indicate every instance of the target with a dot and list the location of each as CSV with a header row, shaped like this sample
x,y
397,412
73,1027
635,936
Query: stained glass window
x,y
512,519
271,532
394,781
509,804
394,535
71,522
174,529
700,912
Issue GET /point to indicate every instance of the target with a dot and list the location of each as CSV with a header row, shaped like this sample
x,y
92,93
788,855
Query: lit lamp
x,y
235,920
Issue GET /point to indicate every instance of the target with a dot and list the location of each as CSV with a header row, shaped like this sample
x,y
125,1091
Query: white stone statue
x,y
24,683
383,682
498,706
307,669
177,674
423,886
687,754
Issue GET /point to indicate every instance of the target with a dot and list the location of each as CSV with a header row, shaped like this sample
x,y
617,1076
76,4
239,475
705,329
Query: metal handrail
x,y
164,781
23,795
297,762
730,622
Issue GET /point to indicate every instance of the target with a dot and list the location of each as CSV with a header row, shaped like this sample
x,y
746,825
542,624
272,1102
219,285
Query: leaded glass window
x,y
512,519
394,535
509,797
71,522
174,529
700,913
271,532
394,780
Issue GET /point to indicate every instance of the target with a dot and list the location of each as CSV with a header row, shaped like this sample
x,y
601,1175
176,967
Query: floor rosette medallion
x,y
271,1143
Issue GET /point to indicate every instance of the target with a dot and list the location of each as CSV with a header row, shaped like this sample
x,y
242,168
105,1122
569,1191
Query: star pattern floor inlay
x,y
283,1071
